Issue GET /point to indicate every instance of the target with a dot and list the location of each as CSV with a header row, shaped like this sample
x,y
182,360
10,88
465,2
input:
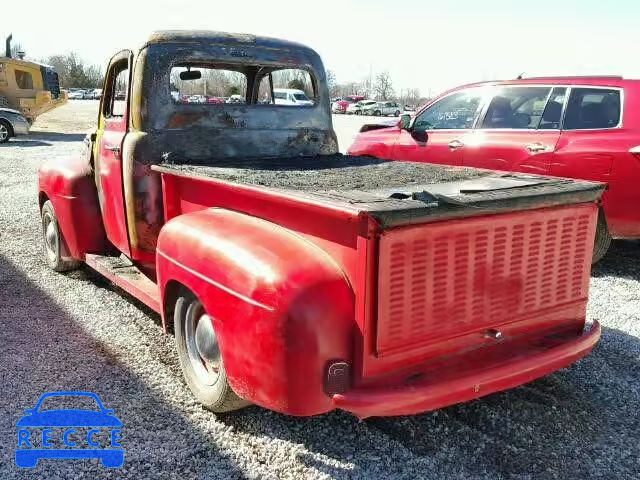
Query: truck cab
x,y
300,279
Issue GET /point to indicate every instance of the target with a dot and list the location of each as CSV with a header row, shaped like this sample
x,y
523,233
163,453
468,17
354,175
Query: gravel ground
x,y
77,332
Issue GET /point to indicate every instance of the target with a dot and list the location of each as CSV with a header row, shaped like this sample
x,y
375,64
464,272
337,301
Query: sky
x,y
430,45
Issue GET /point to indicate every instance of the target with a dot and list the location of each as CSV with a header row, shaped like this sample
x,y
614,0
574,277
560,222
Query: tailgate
x,y
450,282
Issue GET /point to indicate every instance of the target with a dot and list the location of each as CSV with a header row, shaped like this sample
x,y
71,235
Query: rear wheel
x,y
358,112
4,103
200,358
377,113
603,239
54,241
6,132
397,113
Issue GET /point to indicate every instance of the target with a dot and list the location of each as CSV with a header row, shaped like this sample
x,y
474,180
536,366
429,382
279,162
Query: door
x,y
595,145
112,127
519,130
438,133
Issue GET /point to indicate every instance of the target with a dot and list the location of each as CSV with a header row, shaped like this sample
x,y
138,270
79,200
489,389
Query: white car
x,y
291,96
386,108
363,107
75,94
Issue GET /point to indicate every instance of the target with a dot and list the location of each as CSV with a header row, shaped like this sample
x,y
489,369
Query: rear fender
x,y
69,184
282,309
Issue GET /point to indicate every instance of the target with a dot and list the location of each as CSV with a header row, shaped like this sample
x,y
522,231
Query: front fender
x,y
69,184
282,309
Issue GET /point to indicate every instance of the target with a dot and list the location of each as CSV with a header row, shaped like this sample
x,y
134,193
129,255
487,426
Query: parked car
x,y
75,94
341,105
12,124
303,280
362,107
96,94
292,97
215,100
381,109
410,107
576,127
236,99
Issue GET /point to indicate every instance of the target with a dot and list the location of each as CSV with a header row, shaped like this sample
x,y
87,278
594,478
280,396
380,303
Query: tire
x,y
54,241
6,131
603,239
377,113
396,113
4,103
358,112
207,379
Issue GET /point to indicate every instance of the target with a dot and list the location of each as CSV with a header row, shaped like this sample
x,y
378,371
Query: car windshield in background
x,y
300,96
192,83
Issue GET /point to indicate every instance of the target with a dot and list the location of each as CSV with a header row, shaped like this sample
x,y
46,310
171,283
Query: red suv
x,y
577,127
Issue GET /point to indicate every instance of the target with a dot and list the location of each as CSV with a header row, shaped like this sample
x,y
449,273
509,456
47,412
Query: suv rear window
x,y
591,108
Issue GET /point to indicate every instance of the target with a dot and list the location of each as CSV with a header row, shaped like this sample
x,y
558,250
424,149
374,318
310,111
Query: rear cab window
x,y
591,108
207,84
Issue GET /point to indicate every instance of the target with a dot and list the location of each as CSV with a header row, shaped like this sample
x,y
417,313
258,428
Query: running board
x,y
128,277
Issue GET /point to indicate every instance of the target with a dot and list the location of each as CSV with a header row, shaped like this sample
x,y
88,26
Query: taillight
x,y
338,378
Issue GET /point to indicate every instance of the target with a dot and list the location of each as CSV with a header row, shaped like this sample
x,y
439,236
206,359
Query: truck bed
x,y
393,192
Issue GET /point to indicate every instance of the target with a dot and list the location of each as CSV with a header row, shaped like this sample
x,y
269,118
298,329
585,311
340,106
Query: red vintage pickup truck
x,y
302,280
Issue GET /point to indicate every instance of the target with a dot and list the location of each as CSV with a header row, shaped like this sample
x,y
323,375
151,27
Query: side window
x,y
591,108
516,107
291,87
553,110
457,111
24,80
115,99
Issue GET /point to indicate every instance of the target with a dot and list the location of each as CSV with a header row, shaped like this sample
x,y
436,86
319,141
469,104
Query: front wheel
x,y
5,131
397,113
377,113
603,239
200,358
54,241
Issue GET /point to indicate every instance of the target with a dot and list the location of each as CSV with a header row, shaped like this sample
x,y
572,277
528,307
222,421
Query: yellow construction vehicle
x,y
29,87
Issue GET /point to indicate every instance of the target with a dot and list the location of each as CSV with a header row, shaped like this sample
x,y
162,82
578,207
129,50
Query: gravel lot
x,y
77,332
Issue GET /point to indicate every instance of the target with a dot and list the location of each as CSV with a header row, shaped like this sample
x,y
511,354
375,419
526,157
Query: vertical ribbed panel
x,y
444,279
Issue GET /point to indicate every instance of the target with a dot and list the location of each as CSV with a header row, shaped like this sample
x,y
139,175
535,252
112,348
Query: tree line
x,y
74,72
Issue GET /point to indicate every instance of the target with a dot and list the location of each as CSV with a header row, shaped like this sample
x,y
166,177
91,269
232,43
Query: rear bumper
x,y
412,399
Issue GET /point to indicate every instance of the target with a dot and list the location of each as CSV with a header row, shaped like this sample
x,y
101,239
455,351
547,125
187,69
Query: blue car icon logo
x,y
69,433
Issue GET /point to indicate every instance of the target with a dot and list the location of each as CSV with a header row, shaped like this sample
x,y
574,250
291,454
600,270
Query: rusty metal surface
x,y
161,128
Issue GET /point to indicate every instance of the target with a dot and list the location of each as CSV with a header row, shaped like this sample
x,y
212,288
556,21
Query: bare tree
x,y
383,86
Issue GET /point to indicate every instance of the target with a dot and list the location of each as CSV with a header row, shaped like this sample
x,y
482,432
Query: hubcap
x,y
50,237
202,345
4,133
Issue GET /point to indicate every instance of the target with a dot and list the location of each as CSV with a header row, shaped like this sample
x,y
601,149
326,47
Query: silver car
x,y
386,108
12,123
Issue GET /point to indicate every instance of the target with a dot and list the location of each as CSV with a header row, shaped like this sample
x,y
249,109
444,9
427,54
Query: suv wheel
x,y
603,239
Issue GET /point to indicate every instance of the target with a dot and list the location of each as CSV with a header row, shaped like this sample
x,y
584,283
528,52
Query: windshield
x,y
280,95
301,96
